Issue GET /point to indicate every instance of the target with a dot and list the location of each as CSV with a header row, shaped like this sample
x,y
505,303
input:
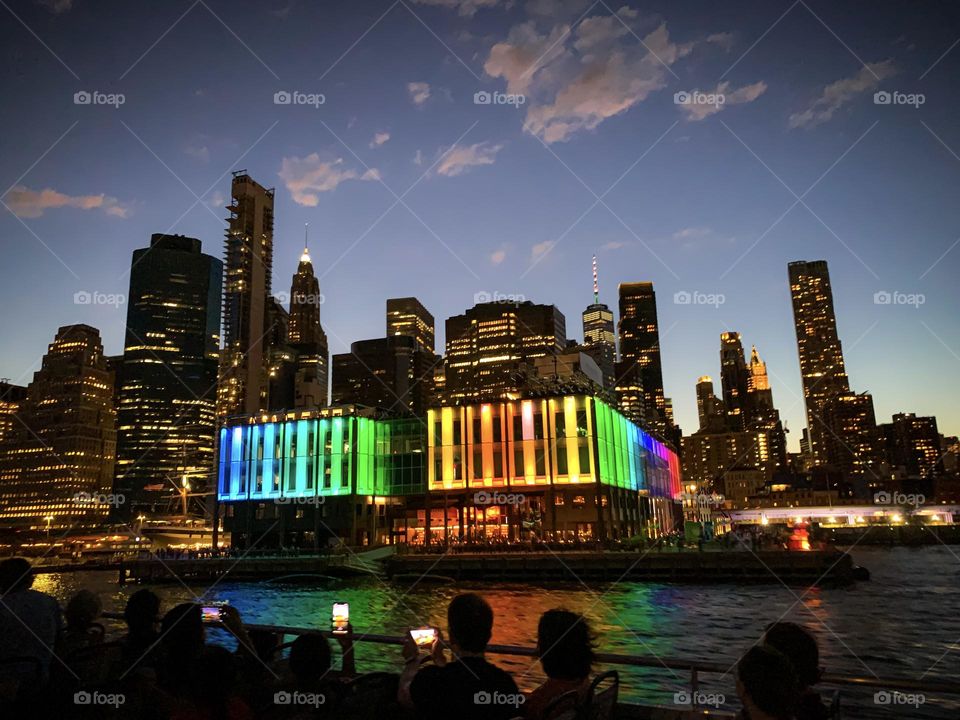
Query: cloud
x,y
837,94
614,245
692,233
498,256
461,157
379,139
723,39
309,176
541,249
418,158
466,8
201,153
217,199
419,92
697,111
27,203
576,79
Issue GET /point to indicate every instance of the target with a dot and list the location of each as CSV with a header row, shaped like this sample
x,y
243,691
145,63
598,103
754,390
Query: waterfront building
x,y
822,368
248,251
167,376
492,347
852,443
392,374
553,467
408,316
709,456
56,465
11,396
599,335
913,449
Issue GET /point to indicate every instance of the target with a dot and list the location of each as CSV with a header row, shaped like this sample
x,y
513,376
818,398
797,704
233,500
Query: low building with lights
x,y
559,468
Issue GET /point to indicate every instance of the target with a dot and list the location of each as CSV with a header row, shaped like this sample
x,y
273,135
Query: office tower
x,y
166,412
306,336
492,347
599,337
707,457
850,439
56,466
733,379
759,394
408,316
710,408
248,251
639,372
913,446
821,356
761,413
10,398
391,373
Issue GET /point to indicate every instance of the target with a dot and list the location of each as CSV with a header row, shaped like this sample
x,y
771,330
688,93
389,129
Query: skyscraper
x,y
408,316
599,337
639,372
56,466
10,398
759,394
821,356
392,373
709,407
851,442
734,379
492,345
913,446
166,416
305,334
248,250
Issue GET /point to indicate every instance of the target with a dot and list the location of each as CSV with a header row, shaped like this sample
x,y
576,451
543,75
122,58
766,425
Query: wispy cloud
x,y
309,176
201,152
541,248
379,139
462,157
722,39
837,94
498,256
27,203
419,92
697,111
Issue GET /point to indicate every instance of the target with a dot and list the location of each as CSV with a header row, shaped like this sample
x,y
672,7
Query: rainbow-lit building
x,y
554,468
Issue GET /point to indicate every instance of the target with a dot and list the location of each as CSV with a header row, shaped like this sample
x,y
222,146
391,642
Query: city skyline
x,y
481,231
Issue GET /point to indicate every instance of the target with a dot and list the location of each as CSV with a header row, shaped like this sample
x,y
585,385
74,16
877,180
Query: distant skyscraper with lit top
x,y
599,334
306,336
407,316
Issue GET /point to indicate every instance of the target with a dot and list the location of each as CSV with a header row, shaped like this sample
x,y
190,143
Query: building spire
x,y
306,253
596,284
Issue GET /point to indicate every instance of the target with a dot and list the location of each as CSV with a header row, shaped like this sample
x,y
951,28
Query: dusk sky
x,y
411,188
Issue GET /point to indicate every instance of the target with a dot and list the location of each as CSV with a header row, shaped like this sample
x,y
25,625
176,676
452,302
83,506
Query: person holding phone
x,y
468,686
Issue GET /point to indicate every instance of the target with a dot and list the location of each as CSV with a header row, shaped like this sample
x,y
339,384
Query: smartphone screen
x,y
424,636
211,612
340,617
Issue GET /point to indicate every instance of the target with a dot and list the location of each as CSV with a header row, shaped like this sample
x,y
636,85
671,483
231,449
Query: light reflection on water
x,y
899,624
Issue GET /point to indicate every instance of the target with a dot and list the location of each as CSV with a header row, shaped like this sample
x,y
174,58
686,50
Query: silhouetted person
x,y
142,614
565,648
211,689
800,647
767,685
468,687
82,631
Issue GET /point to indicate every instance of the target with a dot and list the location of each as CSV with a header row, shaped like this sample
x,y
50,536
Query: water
x,y
905,622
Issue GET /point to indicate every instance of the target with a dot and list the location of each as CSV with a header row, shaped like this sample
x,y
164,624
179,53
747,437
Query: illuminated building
x,y
733,379
56,466
913,447
166,413
305,335
851,440
574,365
639,372
599,336
248,251
408,316
392,374
710,408
561,467
709,456
493,346
10,398
821,355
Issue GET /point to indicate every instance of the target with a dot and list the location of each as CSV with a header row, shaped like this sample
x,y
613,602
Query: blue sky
x,y
410,187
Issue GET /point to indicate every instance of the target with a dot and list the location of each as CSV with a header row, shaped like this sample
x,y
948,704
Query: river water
x,y
904,622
